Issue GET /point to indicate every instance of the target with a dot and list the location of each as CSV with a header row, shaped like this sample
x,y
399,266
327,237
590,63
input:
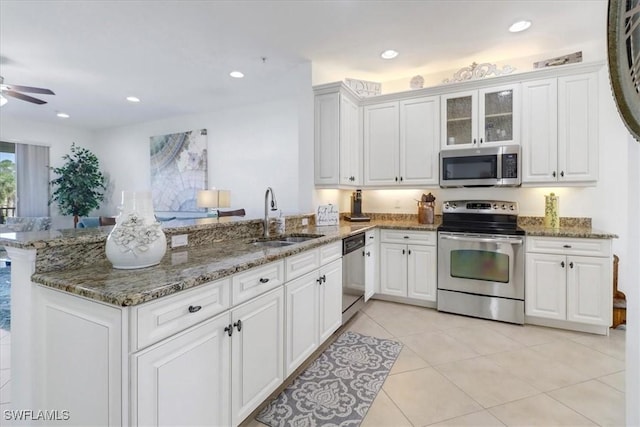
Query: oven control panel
x,y
481,207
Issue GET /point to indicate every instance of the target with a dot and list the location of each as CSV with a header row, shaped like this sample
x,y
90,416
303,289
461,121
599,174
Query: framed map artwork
x,y
178,170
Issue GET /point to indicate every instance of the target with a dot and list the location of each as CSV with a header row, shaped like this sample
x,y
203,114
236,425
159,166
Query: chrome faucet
x,y
274,207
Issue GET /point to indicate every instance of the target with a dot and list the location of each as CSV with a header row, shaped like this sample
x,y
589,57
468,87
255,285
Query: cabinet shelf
x,y
499,115
459,119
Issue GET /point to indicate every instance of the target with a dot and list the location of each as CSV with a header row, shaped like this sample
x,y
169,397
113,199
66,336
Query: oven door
x,y
481,264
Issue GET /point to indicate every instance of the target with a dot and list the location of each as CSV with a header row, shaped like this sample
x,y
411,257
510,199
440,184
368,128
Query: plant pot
x,y
137,239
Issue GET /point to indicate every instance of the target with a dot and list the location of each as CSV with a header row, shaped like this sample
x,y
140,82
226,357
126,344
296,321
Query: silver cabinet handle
x,y
483,240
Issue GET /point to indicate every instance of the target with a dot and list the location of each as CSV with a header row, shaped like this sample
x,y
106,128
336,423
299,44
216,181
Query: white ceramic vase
x,y
137,239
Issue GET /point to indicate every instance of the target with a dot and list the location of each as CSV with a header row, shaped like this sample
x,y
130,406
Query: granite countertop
x,y
574,232
192,266
184,268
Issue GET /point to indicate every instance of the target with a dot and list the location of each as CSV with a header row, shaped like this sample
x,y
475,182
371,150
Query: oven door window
x,y
480,265
470,167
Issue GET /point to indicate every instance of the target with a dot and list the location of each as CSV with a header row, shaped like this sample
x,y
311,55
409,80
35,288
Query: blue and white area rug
x,y
338,388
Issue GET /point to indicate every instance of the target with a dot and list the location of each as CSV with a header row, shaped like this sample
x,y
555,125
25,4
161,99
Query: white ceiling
x,y
176,55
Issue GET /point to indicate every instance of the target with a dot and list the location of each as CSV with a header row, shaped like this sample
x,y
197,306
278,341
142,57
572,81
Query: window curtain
x,y
32,180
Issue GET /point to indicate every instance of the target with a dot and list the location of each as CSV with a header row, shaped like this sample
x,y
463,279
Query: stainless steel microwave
x,y
493,166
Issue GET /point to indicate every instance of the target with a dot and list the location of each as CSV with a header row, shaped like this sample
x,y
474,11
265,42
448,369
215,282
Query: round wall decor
x,y
623,42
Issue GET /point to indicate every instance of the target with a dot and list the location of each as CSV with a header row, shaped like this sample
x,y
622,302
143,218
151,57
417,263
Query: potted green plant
x,y
79,187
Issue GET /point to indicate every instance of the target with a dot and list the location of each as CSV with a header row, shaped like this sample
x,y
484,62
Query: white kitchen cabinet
x,y
330,299
540,130
302,319
79,348
371,276
484,116
408,270
560,129
546,287
401,142
185,379
421,272
257,352
338,138
313,312
569,280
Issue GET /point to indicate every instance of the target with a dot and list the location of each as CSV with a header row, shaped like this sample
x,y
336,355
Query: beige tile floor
x,y
460,371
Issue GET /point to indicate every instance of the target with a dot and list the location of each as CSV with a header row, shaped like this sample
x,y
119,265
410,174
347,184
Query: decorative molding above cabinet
x,y
393,140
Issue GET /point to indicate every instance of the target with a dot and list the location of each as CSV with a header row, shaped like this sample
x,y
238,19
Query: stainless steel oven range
x,y
481,260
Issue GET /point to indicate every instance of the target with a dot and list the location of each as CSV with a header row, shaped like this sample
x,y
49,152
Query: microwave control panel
x,y
510,165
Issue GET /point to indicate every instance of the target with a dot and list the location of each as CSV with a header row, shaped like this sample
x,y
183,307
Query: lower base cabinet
x,y
569,280
257,352
408,270
184,380
313,312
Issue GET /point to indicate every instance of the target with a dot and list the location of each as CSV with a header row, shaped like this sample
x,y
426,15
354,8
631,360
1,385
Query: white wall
x,y
631,269
249,148
57,137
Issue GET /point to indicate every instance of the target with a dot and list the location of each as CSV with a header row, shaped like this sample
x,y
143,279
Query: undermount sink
x,y
297,238
277,242
272,243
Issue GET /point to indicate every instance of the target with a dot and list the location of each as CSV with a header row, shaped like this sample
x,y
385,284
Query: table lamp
x,y
213,199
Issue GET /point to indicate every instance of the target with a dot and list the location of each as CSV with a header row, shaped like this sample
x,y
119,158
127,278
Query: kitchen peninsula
x,y
81,325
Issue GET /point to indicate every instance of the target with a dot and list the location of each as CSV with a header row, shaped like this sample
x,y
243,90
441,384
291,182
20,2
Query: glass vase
x,y
137,239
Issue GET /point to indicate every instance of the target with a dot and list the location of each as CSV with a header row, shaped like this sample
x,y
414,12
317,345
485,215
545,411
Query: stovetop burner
x,y
481,216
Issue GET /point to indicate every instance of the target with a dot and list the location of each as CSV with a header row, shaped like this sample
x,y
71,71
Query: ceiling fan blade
x,y
23,97
30,89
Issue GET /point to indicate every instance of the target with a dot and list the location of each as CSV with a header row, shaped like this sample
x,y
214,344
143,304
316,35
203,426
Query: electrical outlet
x,y
179,240
179,257
305,221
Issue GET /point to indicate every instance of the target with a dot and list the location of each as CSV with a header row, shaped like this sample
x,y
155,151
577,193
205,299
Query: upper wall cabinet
x,y
559,129
483,116
401,142
338,141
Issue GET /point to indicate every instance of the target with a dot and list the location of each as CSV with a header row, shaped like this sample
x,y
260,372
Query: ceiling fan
x,y
15,92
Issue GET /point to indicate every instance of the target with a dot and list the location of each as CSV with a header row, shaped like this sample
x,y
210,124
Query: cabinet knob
x,y
264,279
319,280
405,237
396,179
562,264
238,325
401,179
229,329
566,246
562,174
480,140
324,278
403,252
194,308
474,140
368,253
554,174
409,251
571,264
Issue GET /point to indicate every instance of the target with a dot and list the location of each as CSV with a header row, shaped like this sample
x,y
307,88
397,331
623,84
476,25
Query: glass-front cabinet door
x,y
459,119
484,116
498,120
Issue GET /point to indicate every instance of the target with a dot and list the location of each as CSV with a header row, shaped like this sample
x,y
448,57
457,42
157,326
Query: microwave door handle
x,y
482,239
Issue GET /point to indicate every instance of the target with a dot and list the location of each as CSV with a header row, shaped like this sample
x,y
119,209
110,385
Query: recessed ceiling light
x,y
389,54
516,27
133,99
63,115
236,74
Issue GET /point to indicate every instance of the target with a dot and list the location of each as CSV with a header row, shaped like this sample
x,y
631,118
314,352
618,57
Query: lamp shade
x,y
213,198
224,198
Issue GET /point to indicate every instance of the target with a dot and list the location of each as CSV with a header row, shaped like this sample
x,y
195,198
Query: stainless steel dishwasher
x,y
352,275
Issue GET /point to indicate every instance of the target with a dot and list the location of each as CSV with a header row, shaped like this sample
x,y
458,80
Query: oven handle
x,y
483,239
